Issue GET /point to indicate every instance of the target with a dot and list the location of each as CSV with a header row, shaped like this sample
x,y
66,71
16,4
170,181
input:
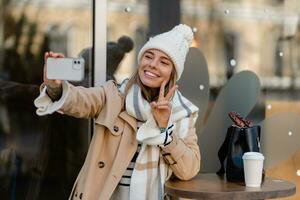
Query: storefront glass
x,y
40,157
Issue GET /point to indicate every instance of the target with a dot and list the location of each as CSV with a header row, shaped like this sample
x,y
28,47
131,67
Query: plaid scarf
x,y
150,171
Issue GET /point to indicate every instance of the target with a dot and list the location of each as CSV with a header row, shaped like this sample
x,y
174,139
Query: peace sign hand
x,y
161,109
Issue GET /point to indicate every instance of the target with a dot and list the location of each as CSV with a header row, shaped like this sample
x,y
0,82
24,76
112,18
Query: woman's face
x,y
155,67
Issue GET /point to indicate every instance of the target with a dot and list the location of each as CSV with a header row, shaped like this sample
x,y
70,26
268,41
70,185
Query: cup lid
x,y
253,155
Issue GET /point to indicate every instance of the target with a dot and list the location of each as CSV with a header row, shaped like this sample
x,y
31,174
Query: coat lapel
x,y
122,160
129,119
111,110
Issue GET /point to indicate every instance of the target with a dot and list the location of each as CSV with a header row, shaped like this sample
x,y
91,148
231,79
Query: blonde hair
x,y
150,94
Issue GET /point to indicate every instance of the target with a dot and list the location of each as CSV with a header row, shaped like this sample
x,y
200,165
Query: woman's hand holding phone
x,y
54,87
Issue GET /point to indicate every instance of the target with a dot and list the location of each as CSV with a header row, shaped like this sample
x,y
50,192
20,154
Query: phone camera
x,y
75,62
78,62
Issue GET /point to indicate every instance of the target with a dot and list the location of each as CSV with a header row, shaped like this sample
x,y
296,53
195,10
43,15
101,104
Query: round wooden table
x,y
211,186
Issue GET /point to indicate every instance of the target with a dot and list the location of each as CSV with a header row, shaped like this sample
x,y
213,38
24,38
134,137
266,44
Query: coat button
x,y
101,164
80,196
116,129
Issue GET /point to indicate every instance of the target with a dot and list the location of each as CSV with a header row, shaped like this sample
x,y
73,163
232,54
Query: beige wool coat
x,y
114,142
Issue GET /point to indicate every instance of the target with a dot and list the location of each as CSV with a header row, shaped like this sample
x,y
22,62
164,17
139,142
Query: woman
x,y
145,129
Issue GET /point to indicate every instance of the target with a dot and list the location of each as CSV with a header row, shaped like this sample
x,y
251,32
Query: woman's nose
x,y
153,63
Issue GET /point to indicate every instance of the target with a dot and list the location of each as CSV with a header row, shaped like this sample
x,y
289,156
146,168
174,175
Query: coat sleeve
x,y
183,154
83,102
77,101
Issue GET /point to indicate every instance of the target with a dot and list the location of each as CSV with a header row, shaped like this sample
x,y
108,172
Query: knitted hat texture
x,y
175,43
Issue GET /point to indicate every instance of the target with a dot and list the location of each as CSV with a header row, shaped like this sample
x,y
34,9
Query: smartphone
x,y
71,69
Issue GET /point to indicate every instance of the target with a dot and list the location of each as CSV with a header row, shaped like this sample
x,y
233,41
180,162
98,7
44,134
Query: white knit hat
x,y
175,43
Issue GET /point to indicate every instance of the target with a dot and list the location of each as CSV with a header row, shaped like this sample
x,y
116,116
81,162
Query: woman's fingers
x,y
56,55
46,55
53,55
163,103
163,107
58,82
60,55
171,92
162,91
160,104
153,104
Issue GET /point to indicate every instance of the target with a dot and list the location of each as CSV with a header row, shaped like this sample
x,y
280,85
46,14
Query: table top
x,y
212,186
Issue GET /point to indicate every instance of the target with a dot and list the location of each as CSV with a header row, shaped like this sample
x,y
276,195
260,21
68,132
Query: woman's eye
x,y
147,56
164,63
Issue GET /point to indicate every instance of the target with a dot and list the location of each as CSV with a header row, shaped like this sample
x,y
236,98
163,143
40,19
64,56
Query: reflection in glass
x,y
40,157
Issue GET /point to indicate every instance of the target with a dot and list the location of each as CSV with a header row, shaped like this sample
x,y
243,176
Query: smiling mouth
x,y
150,74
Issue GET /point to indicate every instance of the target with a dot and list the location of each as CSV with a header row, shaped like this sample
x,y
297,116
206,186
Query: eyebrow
x,y
163,57
149,52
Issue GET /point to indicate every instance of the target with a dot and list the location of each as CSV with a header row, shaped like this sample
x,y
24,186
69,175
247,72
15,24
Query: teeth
x,y
150,74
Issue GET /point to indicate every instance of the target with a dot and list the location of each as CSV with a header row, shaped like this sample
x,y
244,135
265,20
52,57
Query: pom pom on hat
x,y
186,31
175,43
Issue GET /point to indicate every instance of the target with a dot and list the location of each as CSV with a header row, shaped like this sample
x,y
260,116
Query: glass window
x,y
40,157
134,17
244,58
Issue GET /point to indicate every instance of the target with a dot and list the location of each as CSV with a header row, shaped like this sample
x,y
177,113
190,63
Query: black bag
x,y
237,142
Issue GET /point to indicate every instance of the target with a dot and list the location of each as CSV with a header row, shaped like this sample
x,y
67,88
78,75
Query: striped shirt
x,y
122,190
125,180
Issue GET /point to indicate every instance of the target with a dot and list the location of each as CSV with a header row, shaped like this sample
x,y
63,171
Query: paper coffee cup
x,y
253,167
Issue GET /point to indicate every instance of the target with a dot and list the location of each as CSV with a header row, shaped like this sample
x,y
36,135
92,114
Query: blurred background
x,y
40,157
